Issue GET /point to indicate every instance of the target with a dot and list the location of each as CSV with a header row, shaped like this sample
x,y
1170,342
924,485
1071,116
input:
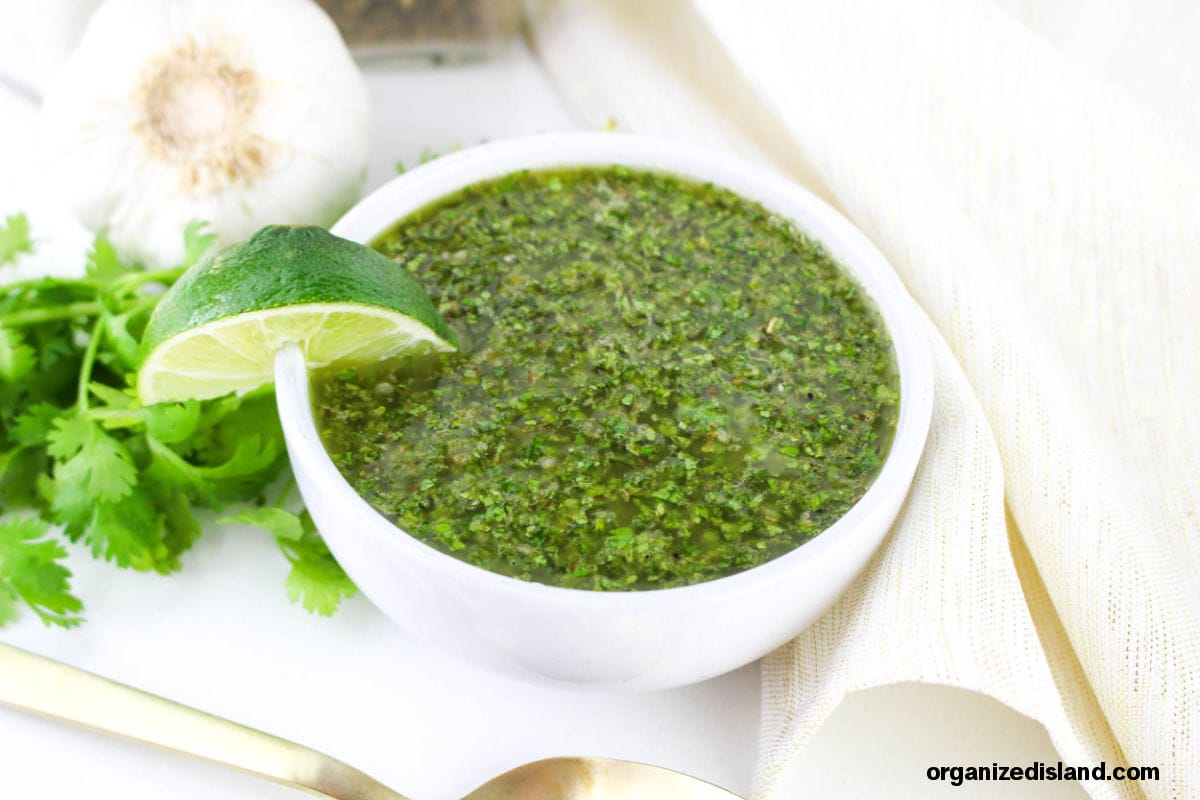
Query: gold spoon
x,y
43,686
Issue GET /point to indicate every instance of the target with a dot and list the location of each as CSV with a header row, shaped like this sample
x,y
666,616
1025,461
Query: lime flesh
x,y
237,354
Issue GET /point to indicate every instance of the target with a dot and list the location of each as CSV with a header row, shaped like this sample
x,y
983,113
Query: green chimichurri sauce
x,y
659,383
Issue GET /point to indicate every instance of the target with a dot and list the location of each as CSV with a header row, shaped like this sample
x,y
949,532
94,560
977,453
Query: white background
x,y
222,636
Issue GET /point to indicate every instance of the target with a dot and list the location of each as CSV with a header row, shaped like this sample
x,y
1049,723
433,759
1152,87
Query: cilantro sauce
x,y
659,383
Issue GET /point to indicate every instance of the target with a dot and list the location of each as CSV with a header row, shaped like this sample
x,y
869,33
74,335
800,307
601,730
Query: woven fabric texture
x,y
1041,201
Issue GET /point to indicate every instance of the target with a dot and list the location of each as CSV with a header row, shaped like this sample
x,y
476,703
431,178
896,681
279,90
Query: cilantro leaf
x,y
111,474
20,468
316,580
103,264
198,237
8,606
229,421
181,529
14,238
125,349
17,359
31,572
275,521
33,426
130,533
172,423
252,464
113,398
69,435
71,504
7,459
90,457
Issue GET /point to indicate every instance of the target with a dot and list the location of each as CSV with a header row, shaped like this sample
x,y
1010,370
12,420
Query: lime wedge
x,y
218,328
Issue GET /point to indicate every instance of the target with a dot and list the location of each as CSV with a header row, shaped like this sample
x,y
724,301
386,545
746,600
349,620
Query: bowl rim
x,y
415,189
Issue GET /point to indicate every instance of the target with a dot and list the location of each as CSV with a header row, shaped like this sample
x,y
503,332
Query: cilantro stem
x,y
11,287
126,282
85,368
136,279
86,308
24,289
141,304
33,316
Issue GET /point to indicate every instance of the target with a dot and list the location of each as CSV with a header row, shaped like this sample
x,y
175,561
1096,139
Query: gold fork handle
x,y
40,685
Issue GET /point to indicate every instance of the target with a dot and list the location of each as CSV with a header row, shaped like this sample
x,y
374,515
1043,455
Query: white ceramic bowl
x,y
645,639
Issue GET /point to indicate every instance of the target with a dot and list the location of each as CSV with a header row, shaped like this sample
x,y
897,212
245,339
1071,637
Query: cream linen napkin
x,y
1049,224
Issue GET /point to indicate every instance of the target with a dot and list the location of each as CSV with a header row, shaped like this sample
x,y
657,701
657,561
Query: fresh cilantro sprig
x,y
316,581
31,572
14,238
123,479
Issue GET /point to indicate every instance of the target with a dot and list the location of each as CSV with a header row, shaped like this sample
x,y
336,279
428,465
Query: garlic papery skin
x,y
241,113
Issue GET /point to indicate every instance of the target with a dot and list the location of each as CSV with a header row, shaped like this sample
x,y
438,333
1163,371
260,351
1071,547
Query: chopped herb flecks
x,y
660,383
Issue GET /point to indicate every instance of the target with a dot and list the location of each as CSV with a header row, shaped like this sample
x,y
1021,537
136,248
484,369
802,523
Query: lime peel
x,y
217,330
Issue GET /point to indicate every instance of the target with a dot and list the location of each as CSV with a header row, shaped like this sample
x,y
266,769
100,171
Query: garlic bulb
x,y
236,112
